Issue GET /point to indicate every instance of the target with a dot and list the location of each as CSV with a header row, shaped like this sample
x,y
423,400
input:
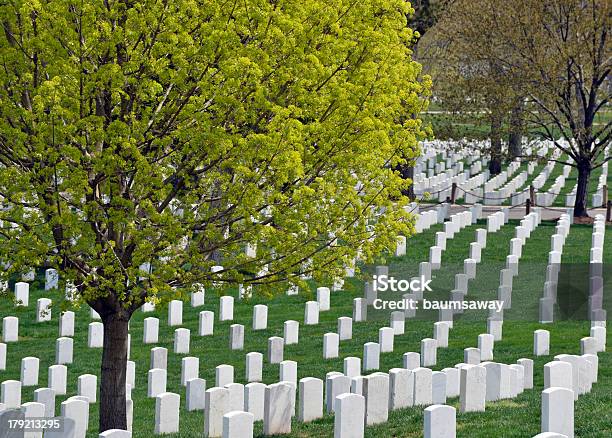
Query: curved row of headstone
x,y
598,197
549,297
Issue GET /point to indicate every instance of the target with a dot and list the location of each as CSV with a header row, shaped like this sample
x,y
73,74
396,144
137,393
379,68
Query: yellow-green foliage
x,y
172,132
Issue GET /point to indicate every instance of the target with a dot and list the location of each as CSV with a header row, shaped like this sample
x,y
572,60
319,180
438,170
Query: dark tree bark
x,y
495,164
584,173
113,377
516,131
407,172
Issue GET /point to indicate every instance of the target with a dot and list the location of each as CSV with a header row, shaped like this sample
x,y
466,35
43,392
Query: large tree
x,y
176,133
545,63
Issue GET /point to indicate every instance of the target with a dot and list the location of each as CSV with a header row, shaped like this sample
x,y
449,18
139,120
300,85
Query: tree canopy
x,y
177,133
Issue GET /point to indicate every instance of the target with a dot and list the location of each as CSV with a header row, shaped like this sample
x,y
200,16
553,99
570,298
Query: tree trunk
x,y
580,205
407,172
495,163
516,131
113,378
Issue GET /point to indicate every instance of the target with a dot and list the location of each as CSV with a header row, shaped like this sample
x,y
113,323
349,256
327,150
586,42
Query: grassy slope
x,y
511,418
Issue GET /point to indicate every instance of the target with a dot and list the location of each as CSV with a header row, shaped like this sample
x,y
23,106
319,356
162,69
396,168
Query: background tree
x,y
470,82
550,62
175,133
421,17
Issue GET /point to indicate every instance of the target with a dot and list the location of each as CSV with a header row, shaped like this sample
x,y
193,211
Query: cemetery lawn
x,y
519,417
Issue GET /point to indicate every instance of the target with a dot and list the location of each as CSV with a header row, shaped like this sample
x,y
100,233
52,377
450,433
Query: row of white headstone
x,y
382,342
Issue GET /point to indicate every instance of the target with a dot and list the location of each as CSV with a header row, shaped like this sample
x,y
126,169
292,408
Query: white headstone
x,y
95,338
181,341
216,406
22,294
190,369
401,388
331,342
495,328
386,336
277,408
206,323
43,310
452,382
156,382
311,313
51,279
438,387
376,394
238,424
46,396
589,345
411,360
66,324
485,346
371,356
528,376
226,308
360,310
2,356
78,411
87,386
471,356
352,366
260,317
345,328
311,399
175,313
224,374
196,389
334,386
349,416
29,371
236,337
254,367
167,407
254,395
236,396
159,358
323,298
10,329
151,331
440,421
558,374
288,371
275,349
291,332
64,351
498,381
429,349
422,389
473,380
441,329
198,295
558,411
541,343
57,379
10,394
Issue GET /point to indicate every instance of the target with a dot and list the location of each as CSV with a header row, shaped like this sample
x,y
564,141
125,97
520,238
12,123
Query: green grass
x,y
519,417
